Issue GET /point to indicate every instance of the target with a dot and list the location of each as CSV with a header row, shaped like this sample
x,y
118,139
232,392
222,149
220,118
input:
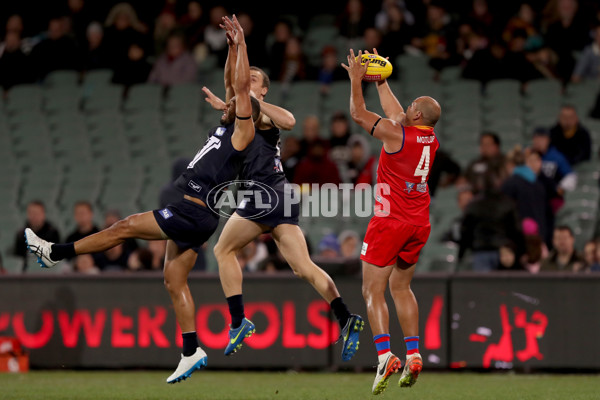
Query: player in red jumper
x,y
400,227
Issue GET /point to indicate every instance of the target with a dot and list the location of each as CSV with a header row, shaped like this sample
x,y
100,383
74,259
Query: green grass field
x,y
132,385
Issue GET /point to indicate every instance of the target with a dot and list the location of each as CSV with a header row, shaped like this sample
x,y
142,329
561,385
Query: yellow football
x,y
379,68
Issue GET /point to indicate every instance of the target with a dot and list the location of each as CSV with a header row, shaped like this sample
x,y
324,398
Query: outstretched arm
x,y
390,104
230,63
388,131
243,133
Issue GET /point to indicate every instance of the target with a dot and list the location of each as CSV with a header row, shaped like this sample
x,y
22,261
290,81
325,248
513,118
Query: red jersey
x,y
402,191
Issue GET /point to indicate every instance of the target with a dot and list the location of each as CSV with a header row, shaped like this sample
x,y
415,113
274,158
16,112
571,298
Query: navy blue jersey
x,y
263,163
216,163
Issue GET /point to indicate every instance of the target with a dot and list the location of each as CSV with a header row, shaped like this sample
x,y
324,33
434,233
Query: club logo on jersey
x,y
363,251
166,213
195,186
422,187
409,187
220,131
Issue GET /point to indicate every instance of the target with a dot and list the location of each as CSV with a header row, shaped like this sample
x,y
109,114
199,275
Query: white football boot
x,y
40,248
188,365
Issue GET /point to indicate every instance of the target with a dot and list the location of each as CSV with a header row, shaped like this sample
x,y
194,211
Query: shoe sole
x,y
198,366
349,347
415,369
240,344
39,259
383,384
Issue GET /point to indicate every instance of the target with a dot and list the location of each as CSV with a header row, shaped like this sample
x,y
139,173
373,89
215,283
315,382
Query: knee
x,y
173,286
366,291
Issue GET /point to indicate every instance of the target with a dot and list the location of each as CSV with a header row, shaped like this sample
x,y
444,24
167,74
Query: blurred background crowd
x,y
501,200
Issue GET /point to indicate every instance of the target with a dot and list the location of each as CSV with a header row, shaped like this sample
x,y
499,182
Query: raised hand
x,y
235,32
213,100
355,69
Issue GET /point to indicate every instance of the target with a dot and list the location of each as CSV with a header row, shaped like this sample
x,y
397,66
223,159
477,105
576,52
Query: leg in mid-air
x,y
139,226
178,264
408,315
237,233
375,282
291,243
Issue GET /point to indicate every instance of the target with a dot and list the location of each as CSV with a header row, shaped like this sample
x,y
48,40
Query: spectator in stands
x,y
518,65
570,137
524,21
535,248
176,66
384,18
481,19
555,166
83,214
163,28
255,41
596,266
114,259
563,257
330,69
507,259
123,30
339,131
85,264
158,249
361,166
251,255
588,64
316,167
487,64
545,61
289,156
589,255
444,172
111,217
15,67
567,32
372,39
530,195
350,244
396,31
490,221
79,19
14,24
490,164
438,37
140,260
329,246
2,269
57,52
282,33
213,34
169,193
193,23
36,220
311,133
135,69
352,22
96,54
463,198
293,67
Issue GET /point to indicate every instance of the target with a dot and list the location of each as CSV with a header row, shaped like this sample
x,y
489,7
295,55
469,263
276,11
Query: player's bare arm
x,y
243,133
388,131
229,74
390,104
272,115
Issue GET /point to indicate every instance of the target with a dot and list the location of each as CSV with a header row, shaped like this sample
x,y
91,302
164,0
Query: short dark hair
x,y
38,203
266,80
84,203
492,135
565,228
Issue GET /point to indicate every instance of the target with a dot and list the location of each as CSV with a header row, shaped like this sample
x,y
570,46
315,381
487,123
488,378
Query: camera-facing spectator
x,y
163,28
361,166
329,246
563,257
193,23
555,165
339,130
37,222
213,34
83,214
140,260
350,244
330,69
96,53
57,52
490,164
15,67
124,29
588,64
176,66
85,264
570,137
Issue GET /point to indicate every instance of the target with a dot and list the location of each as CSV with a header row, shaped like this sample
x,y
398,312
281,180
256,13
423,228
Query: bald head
x,y
429,110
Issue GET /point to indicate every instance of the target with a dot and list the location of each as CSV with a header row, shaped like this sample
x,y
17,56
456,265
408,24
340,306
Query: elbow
x,y
289,123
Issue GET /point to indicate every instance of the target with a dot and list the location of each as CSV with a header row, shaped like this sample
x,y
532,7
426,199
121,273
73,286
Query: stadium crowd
x,y
167,43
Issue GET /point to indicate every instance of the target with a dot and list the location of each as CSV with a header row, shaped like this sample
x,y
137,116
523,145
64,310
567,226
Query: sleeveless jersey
x,y
216,163
263,163
402,191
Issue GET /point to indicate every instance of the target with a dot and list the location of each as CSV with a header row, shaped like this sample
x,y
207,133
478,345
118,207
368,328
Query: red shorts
x,y
387,239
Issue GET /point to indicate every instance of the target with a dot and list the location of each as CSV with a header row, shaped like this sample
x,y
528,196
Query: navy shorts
x,y
186,223
275,209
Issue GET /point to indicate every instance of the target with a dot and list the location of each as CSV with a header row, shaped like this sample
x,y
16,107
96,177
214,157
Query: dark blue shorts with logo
x,y
274,208
186,223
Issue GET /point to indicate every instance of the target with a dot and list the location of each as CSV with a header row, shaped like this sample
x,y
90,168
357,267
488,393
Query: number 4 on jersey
x,y
423,167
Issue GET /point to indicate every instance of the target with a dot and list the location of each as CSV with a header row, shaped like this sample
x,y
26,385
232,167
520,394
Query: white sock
x,y
383,357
